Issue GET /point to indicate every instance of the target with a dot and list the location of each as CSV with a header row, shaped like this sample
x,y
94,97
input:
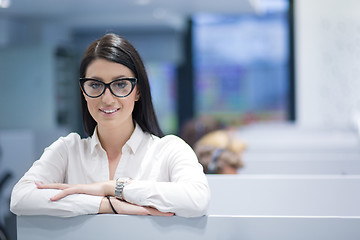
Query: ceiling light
x,y
4,3
159,13
142,2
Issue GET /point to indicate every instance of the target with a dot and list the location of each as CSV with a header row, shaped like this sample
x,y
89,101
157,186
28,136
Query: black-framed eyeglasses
x,y
94,88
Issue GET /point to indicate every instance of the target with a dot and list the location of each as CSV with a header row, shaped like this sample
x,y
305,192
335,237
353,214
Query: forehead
x,y
107,70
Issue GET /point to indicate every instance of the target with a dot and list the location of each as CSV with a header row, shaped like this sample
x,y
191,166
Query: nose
x,y
107,97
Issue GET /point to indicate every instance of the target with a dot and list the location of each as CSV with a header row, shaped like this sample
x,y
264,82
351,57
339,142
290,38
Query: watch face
x,y
123,179
120,184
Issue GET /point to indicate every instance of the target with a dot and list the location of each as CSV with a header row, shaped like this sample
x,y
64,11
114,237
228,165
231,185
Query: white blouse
x,y
165,171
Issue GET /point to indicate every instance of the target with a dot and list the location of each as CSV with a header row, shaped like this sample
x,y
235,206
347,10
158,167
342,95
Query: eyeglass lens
x,y
119,88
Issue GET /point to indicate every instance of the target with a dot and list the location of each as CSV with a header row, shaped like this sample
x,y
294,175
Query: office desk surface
x,y
285,195
207,227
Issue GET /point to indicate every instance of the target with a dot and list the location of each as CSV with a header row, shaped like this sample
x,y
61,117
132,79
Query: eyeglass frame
x,y
132,80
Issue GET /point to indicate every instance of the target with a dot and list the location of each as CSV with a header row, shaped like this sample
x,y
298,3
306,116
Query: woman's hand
x,y
97,189
123,207
101,189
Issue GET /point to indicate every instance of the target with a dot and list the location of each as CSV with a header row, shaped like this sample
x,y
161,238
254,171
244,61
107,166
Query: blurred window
x,y
162,77
241,66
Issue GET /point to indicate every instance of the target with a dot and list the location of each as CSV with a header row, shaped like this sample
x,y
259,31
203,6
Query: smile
x,y
109,111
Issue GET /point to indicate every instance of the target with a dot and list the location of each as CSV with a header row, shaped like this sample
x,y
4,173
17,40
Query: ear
x,y
137,96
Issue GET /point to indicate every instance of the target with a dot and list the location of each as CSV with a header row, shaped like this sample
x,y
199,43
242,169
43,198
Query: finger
x,y
155,212
59,186
38,183
166,214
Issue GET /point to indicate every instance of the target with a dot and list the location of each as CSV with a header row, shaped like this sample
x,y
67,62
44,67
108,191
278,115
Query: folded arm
x,y
186,193
101,189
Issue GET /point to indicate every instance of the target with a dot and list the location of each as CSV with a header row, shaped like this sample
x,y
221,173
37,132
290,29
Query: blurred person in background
x,y
196,128
220,153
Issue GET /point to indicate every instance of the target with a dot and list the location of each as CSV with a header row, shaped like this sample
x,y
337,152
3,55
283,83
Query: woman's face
x,y
109,110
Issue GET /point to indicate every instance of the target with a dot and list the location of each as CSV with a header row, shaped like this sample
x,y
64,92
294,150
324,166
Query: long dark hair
x,y
114,48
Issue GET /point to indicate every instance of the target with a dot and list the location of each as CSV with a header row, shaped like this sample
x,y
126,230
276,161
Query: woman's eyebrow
x,y
95,77
117,77
113,78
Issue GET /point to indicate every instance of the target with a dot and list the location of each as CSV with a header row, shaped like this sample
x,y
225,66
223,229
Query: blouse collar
x,y
133,142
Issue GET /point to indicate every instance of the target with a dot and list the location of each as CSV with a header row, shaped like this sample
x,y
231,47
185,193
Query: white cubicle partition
x,y
290,149
287,137
285,195
301,163
177,228
242,207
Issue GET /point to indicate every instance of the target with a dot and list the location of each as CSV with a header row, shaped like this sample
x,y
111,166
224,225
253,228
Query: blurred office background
x,y
273,69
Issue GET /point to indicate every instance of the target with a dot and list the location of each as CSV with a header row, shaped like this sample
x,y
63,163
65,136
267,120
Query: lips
x,y
109,110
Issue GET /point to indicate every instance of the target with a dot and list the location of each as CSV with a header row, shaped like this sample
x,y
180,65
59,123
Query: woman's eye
x,y
94,85
121,84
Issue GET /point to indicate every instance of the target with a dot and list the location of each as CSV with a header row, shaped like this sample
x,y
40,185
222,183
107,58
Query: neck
x,y
112,139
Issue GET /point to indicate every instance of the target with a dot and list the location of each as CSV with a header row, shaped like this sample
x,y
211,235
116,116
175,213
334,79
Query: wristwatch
x,y
120,184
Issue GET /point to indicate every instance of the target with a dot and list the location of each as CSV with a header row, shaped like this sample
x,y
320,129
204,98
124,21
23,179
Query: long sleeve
x,y
166,173
27,199
187,193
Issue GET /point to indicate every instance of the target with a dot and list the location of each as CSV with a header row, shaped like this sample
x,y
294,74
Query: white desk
x,y
285,195
207,228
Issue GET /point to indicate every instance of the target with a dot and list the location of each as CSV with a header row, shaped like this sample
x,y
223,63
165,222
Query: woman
x,y
126,166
